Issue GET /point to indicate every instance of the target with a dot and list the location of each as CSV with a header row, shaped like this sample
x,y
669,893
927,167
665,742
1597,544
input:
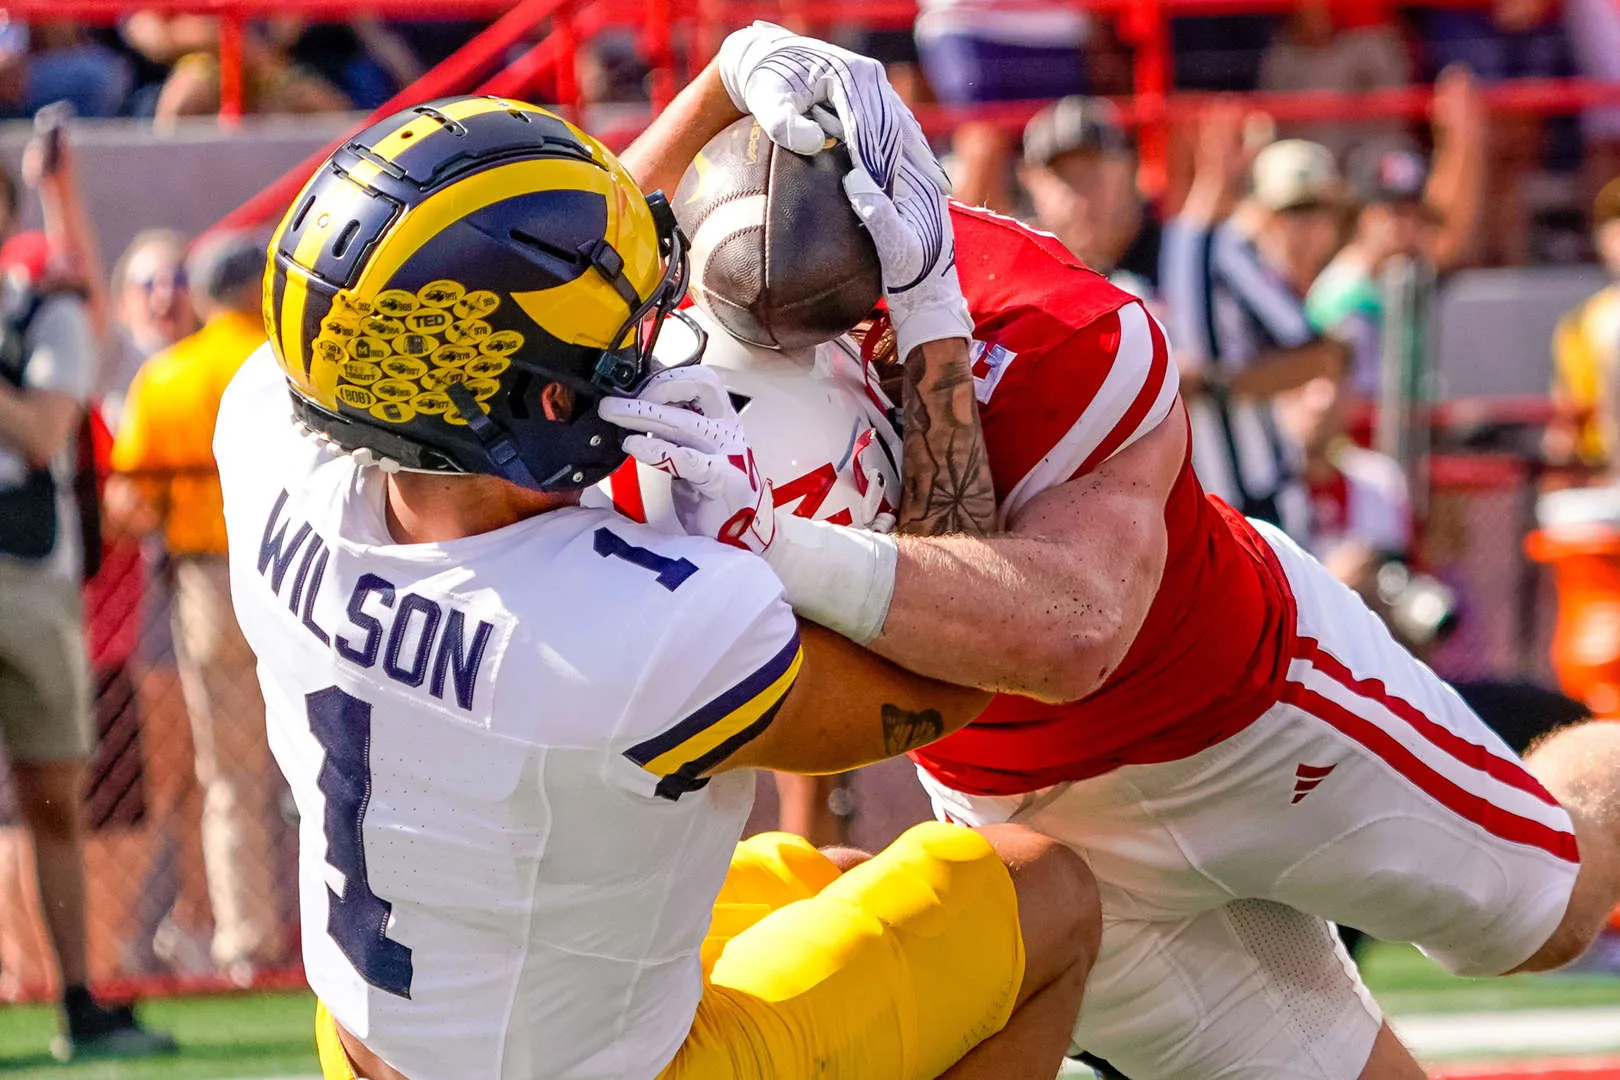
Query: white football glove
x,y
788,82
684,424
801,90
917,249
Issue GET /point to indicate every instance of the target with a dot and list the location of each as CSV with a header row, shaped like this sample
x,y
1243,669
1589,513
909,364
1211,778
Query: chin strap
x,y
497,442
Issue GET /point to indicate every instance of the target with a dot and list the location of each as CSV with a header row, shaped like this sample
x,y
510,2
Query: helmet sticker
x,y
501,343
428,322
440,294
487,367
369,348
476,305
404,367
456,355
396,302
356,396
415,345
359,373
395,355
454,418
443,378
394,412
469,331
347,301
394,390
341,328
381,326
431,403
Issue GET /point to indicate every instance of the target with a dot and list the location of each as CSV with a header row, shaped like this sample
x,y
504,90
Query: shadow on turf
x,y
196,1058
41,1060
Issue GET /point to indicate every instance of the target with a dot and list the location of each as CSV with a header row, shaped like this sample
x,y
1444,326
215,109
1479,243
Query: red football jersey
x,y
1070,370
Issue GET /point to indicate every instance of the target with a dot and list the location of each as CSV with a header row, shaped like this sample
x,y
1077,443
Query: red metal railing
x,y
700,24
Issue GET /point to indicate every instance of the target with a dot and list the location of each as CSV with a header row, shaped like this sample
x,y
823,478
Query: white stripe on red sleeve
x,y
1151,405
1133,390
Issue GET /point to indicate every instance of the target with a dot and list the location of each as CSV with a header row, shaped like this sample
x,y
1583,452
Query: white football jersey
x,y
506,860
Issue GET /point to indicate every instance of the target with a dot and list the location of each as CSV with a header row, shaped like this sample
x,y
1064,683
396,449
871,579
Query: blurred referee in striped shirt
x,y
1234,293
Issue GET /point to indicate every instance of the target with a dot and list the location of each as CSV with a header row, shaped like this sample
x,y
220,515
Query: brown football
x,y
778,256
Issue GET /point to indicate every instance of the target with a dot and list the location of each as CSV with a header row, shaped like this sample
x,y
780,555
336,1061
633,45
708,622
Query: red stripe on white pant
x,y
1466,804
1473,755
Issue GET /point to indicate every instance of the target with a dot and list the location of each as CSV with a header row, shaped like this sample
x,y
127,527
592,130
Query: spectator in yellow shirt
x,y
167,481
1586,356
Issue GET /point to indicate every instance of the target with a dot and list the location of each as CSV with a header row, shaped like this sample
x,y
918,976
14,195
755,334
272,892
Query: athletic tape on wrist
x,y
840,577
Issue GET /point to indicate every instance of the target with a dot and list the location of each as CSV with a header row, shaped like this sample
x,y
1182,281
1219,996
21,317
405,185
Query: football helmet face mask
x,y
819,427
448,263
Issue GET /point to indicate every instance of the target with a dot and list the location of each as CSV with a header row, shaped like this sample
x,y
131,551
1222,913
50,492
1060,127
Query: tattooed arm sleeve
x,y
945,476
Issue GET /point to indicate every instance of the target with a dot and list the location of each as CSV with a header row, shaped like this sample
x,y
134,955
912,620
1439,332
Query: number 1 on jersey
x,y
672,573
357,920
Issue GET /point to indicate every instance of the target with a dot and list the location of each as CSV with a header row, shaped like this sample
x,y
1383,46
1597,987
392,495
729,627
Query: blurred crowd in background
x,y
1272,256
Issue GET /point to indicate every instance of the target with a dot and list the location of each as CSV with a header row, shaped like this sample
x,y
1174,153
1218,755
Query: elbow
x,y
961,706
1075,661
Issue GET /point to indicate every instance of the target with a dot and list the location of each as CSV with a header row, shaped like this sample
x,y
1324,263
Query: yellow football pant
x,y
892,971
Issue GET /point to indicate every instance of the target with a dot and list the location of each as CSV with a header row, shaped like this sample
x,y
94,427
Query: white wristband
x,y
839,577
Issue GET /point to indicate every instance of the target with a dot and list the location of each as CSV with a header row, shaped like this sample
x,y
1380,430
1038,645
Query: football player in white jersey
x,y
522,733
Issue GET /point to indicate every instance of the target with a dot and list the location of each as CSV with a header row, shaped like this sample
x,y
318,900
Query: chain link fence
x,y
190,832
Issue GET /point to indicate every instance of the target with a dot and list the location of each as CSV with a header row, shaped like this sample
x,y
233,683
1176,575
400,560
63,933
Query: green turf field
x,y
234,1035
270,1035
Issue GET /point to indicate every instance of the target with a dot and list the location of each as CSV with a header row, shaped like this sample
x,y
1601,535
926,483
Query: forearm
x,y
35,424
1456,190
1046,619
850,708
68,230
659,156
946,486
1273,373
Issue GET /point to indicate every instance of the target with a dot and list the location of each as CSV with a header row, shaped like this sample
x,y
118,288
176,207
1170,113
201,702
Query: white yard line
x,y
1575,1030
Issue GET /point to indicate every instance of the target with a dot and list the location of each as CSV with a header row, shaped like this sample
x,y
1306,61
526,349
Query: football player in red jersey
x,y
1228,735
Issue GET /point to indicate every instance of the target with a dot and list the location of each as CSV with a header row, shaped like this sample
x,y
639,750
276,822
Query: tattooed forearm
x,y
905,730
945,476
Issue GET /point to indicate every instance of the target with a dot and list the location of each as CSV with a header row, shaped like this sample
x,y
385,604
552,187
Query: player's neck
x,y
424,508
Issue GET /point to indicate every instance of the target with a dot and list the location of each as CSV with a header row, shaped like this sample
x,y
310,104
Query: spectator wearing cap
x,y
1405,211
979,51
1586,356
168,482
1234,292
1080,171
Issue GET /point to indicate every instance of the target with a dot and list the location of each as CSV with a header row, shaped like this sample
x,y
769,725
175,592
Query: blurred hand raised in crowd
x,y
1459,107
1517,15
1227,137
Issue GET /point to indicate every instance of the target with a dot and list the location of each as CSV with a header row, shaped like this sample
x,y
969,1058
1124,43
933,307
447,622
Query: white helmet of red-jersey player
x,y
819,427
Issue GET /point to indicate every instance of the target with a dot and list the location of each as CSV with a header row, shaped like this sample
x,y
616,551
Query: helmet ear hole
x,y
518,401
